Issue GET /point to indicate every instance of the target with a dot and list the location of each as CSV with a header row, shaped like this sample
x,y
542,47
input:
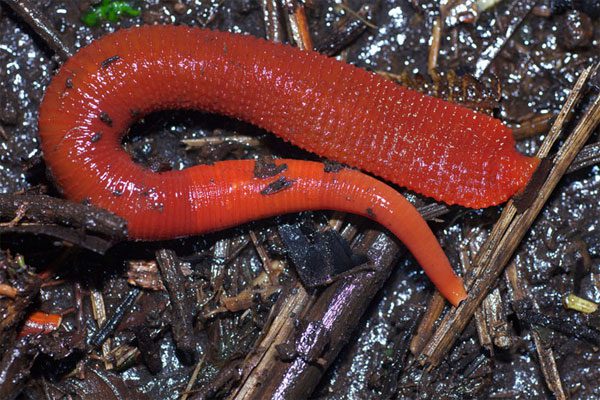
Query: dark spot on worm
x,y
370,213
118,192
104,64
69,83
332,166
265,167
96,137
134,113
225,48
274,187
527,196
104,117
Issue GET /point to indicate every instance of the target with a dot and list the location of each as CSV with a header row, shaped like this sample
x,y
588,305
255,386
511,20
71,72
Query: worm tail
x,y
233,192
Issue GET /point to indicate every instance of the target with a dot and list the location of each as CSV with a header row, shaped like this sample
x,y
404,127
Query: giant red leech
x,y
333,109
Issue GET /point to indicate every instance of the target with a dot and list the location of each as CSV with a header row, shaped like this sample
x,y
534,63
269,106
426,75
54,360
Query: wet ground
x,y
533,54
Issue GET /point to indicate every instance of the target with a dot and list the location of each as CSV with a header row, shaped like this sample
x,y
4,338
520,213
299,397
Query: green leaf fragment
x,y
109,11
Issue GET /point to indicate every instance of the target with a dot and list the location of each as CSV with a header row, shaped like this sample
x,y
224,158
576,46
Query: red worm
x,y
333,109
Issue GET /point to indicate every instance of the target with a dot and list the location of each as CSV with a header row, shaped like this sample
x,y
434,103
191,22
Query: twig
x,y
533,126
46,209
214,140
492,325
508,233
259,363
115,319
71,235
39,23
358,15
99,312
589,155
518,12
182,304
433,210
545,354
298,25
425,329
549,368
271,16
193,377
8,291
483,331
323,329
434,49
272,268
347,32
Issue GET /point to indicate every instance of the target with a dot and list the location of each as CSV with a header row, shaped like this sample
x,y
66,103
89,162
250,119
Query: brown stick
x,y
38,22
297,356
50,210
298,24
508,233
546,356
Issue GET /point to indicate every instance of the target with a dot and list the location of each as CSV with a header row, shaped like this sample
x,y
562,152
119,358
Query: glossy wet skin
x,y
333,109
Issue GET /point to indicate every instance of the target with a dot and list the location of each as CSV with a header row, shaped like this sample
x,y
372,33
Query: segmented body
x,y
333,109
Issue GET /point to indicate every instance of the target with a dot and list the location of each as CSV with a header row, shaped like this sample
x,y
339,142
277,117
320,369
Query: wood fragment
x,y
534,126
273,268
495,314
434,48
483,331
68,235
545,354
548,366
182,305
333,313
116,317
16,310
86,226
425,329
8,291
260,286
347,31
216,140
144,274
274,32
263,358
38,22
298,25
588,156
510,229
193,378
517,13
99,312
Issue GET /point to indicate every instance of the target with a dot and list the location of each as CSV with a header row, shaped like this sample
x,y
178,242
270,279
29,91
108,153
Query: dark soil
x,y
167,323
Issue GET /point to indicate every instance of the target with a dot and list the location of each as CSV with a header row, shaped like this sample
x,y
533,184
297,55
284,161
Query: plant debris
x,y
316,304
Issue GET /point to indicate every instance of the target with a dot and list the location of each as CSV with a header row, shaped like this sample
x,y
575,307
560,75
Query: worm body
x,y
333,109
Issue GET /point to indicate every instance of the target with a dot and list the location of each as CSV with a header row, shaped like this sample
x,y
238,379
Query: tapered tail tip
x,y
456,293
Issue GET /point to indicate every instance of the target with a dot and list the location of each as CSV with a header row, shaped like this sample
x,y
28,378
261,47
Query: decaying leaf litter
x,y
214,315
